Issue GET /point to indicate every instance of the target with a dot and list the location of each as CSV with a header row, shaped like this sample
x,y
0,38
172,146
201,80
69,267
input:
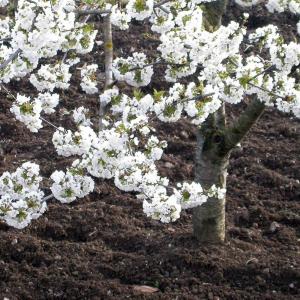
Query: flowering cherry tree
x,y
205,66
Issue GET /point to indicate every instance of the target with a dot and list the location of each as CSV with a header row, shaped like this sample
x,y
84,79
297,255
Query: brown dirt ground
x,y
103,245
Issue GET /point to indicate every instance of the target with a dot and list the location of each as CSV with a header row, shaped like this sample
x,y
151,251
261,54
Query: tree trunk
x,y
213,12
211,169
211,166
215,140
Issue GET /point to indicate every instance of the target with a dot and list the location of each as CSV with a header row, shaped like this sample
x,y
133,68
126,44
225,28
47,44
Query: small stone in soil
x,y
169,165
274,227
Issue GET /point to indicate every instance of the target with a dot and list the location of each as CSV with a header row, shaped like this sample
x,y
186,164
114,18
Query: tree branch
x,y
80,12
235,133
108,50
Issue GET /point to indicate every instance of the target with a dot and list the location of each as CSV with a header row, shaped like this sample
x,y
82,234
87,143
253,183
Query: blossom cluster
x,y
226,76
3,2
80,116
133,70
39,30
125,152
29,111
21,199
68,143
72,184
280,6
50,77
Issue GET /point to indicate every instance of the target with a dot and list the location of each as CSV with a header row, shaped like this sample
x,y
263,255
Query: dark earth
x,y
104,247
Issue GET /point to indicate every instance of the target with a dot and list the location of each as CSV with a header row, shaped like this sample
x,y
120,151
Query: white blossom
x,y
89,79
28,112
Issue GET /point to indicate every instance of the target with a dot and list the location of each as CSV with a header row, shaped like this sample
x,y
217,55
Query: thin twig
x,y
11,58
270,68
160,62
51,124
47,197
266,90
6,39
